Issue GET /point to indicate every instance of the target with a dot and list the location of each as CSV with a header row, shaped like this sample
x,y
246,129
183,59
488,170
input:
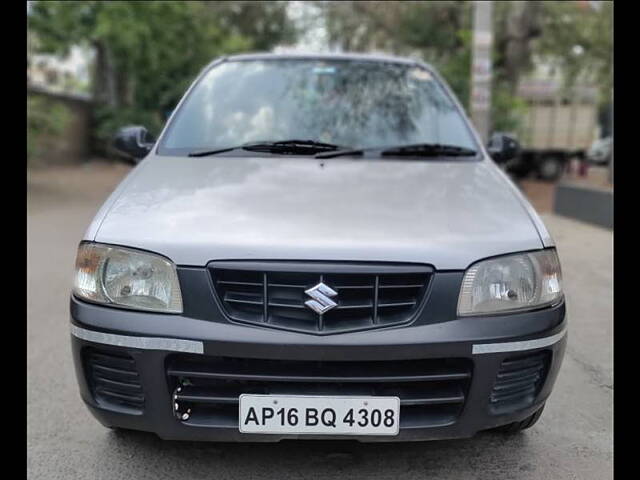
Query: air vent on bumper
x,y
519,380
113,380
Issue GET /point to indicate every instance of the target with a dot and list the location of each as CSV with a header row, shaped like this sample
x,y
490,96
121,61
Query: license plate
x,y
292,414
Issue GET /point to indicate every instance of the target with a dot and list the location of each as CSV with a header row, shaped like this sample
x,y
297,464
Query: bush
x,y
44,118
507,110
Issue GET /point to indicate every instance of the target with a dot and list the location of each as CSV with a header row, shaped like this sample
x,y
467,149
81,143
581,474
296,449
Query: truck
x,y
559,124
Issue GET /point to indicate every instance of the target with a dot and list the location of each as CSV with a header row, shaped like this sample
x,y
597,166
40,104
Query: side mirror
x,y
502,147
134,142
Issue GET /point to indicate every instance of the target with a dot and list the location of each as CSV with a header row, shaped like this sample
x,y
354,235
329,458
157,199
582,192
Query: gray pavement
x,y
573,439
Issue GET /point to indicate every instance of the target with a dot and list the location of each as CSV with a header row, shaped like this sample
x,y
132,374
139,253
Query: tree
x,y
266,24
578,38
437,31
147,53
440,32
516,26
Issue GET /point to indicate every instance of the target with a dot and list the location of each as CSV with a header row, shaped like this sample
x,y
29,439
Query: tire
x,y
550,168
515,427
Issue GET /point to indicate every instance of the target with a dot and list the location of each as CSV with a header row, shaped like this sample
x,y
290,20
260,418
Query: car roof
x,y
326,56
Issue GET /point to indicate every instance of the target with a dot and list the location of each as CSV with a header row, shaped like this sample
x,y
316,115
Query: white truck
x,y
559,124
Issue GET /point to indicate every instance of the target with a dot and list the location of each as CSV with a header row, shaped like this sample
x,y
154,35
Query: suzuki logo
x,y
321,302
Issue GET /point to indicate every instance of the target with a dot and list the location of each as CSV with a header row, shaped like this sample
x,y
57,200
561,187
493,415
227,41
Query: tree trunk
x,y
523,25
105,85
104,94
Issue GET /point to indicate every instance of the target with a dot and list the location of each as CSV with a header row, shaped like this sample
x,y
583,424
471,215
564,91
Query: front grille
x,y
518,382
207,389
273,294
113,380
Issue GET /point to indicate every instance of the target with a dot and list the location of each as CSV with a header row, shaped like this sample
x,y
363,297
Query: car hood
x,y
194,210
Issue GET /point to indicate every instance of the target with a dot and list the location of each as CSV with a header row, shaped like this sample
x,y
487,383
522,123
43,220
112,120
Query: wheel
x,y
550,168
516,427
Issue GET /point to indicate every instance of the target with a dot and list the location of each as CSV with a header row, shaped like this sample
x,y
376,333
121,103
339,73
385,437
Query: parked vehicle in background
x,y
559,125
601,151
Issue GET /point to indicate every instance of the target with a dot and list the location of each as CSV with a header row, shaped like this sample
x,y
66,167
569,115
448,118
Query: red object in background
x,y
584,168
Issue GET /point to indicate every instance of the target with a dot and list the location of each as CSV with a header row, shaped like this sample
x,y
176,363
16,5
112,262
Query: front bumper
x,y
481,343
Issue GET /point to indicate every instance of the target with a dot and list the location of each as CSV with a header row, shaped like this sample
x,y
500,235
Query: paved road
x,y
573,439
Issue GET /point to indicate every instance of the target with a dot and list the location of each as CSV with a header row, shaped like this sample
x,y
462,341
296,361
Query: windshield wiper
x,y
298,147
329,150
417,150
206,153
429,150
301,147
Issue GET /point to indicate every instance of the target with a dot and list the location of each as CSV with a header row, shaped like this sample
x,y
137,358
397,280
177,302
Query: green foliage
x,y
440,32
507,109
437,31
580,41
147,53
457,69
44,118
265,23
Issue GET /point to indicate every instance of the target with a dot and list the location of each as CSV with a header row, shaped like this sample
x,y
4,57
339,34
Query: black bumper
x,y
477,345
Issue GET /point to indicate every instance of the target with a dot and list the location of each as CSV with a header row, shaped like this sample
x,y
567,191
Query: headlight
x,y
128,278
511,283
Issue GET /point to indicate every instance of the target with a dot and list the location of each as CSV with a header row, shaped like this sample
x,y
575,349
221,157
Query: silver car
x,y
317,247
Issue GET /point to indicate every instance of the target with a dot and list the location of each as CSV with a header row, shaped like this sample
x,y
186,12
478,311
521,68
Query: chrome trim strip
x,y
518,346
145,343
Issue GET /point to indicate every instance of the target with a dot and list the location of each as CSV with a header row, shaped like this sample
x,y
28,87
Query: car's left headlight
x,y
511,283
128,278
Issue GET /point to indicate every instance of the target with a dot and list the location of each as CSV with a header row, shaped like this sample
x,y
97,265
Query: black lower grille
x,y
518,382
431,392
275,294
113,380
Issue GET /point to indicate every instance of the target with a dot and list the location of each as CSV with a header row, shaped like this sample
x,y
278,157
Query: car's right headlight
x,y
123,277
511,283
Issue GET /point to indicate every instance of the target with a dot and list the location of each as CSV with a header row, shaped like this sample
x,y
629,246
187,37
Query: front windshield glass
x,y
350,103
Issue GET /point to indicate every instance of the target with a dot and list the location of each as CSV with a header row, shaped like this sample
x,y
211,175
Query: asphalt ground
x,y
572,440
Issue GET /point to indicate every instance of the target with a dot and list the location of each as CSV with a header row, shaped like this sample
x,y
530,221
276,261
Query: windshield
x,y
351,103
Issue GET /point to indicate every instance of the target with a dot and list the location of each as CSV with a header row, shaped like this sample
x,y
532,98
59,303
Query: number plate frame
x,y
277,422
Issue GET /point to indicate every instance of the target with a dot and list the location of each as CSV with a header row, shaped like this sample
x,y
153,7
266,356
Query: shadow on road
x,y
318,459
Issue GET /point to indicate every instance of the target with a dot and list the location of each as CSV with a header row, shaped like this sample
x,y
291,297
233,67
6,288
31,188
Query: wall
x,y
591,205
72,145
